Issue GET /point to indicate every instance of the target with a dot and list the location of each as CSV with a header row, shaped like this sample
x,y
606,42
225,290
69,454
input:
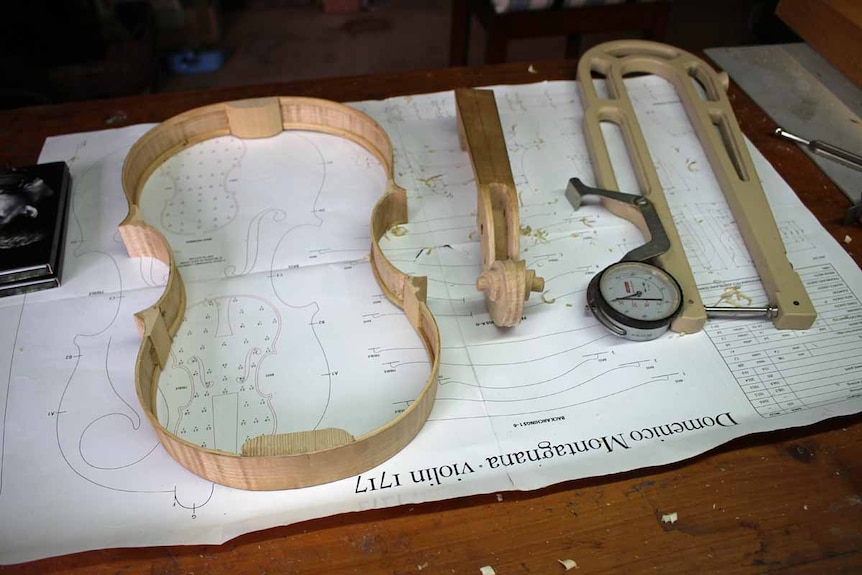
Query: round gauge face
x,y
640,291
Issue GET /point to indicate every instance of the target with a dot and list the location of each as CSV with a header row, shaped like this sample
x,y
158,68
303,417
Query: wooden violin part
x,y
287,460
505,279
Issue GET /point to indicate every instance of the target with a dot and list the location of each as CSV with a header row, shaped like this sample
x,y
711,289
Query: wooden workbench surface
x,y
788,501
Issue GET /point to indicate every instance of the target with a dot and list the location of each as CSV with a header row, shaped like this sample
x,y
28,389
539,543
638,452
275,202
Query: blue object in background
x,y
193,62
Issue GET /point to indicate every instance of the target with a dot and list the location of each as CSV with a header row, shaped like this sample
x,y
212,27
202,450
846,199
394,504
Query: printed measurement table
x,y
787,371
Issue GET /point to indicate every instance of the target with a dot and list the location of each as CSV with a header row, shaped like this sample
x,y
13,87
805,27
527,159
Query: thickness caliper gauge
x,y
632,298
653,289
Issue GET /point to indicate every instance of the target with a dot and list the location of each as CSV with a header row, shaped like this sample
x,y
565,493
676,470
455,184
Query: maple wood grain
x,y
787,501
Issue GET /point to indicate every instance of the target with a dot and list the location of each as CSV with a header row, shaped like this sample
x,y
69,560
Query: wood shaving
x,y
733,296
568,564
539,235
670,518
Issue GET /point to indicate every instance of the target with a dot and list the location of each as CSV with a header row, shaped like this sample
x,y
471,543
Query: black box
x,y
34,202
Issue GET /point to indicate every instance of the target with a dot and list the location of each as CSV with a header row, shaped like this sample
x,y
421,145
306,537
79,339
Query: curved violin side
x,y
287,460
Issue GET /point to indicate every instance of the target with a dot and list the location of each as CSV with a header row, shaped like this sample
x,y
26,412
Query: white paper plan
x,y
286,329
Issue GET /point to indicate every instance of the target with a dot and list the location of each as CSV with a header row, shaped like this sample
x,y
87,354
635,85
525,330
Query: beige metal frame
x,y
715,124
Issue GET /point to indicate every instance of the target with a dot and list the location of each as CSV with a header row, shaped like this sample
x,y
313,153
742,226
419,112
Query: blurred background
x,y
65,50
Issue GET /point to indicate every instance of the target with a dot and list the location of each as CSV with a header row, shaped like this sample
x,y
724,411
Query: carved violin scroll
x,y
505,279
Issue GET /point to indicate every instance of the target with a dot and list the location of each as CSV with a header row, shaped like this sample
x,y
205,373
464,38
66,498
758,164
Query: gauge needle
x,y
630,296
637,296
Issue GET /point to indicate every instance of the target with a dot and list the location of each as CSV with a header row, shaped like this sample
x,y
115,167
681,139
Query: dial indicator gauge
x,y
635,300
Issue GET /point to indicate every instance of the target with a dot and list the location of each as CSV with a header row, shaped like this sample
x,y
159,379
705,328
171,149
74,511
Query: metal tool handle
x,y
824,149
